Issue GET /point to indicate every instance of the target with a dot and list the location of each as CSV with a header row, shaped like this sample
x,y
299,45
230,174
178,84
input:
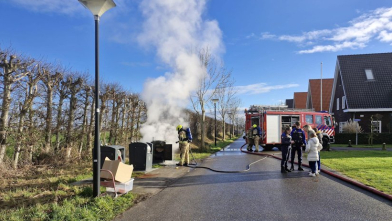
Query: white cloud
x,y
267,35
375,25
261,88
335,47
384,36
252,35
263,35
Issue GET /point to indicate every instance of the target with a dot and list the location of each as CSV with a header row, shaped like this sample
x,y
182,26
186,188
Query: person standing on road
x,y
298,136
184,146
312,148
249,136
286,148
309,131
319,136
256,132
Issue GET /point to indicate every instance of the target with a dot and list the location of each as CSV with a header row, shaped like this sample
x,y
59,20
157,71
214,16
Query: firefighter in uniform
x,y
256,133
286,148
249,135
298,136
184,146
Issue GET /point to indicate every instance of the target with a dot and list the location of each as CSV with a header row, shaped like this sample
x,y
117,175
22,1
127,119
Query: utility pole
x,y
321,88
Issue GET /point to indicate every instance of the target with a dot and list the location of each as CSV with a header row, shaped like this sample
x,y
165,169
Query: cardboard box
x,y
121,187
121,171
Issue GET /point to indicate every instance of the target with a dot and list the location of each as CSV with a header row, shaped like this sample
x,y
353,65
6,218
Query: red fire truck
x,y
274,119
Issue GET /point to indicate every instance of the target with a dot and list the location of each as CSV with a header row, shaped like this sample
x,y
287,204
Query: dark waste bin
x,y
113,152
140,156
162,151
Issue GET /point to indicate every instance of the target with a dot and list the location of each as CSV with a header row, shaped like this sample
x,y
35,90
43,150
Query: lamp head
x,y
98,7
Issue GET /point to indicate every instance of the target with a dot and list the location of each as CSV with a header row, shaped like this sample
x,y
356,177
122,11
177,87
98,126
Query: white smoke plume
x,y
174,28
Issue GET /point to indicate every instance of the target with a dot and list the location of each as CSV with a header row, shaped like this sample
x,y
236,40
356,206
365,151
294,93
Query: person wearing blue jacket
x,y
298,136
285,148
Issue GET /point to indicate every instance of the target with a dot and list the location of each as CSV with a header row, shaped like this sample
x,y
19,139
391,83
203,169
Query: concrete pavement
x,y
263,193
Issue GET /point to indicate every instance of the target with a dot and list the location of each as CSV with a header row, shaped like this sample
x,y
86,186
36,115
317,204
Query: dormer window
x,y
369,74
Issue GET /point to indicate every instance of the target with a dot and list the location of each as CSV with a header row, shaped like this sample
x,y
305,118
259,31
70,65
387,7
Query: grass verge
x,y
360,145
212,149
372,168
46,193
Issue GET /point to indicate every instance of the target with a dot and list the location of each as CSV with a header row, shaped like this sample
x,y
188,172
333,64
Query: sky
x,y
272,47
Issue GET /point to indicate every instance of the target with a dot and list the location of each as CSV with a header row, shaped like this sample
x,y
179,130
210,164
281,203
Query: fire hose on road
x,y
223,171
360,185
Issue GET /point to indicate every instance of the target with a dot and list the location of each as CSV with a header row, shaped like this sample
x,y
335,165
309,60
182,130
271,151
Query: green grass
x,y
80,207
210,150
361,145
372,168
47,194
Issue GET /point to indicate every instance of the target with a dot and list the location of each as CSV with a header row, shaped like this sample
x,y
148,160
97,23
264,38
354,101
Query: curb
x,y
355,183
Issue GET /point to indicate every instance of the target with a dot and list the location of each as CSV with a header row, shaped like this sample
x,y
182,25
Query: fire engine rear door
x,y
273,129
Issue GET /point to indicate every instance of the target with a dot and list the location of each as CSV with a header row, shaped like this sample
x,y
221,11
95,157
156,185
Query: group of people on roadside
x,y
294,140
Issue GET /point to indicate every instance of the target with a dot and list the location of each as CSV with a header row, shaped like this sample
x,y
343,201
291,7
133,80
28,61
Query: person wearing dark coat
x,y
285,148
298,136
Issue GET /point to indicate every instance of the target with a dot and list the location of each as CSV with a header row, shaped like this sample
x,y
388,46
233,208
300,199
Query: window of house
x,y
343,102
309,119
337,103
376,126
369,74
341,125
319,119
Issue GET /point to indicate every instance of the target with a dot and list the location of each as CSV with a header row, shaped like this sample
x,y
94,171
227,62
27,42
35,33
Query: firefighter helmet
x,y
179,127
254,125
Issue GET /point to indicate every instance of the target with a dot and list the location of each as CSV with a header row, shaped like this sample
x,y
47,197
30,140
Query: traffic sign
x,y
357,120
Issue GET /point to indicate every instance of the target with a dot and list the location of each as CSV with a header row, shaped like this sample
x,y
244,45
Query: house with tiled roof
x,y
300,100
314,100
362,90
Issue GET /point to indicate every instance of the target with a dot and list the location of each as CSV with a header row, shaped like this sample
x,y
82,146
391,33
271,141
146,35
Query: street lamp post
x,y
215,101
97,8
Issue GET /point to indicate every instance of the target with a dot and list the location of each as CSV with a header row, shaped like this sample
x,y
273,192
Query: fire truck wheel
x,y
268,147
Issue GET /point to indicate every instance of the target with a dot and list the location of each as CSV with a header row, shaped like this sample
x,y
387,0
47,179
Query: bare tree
x,y
206,90
117,100
34,75
63,93
133,102
92,121
51,79
12,71
75,85
225,93
234,106
86,95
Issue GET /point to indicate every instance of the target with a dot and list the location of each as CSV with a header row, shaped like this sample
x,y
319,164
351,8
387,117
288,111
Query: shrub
x,y
379,138
351,127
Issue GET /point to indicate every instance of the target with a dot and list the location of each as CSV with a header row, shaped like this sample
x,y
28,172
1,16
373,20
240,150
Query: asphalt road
x,y
263,193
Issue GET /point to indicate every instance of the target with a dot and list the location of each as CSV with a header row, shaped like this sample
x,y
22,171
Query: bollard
x,y
384,146
349,143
